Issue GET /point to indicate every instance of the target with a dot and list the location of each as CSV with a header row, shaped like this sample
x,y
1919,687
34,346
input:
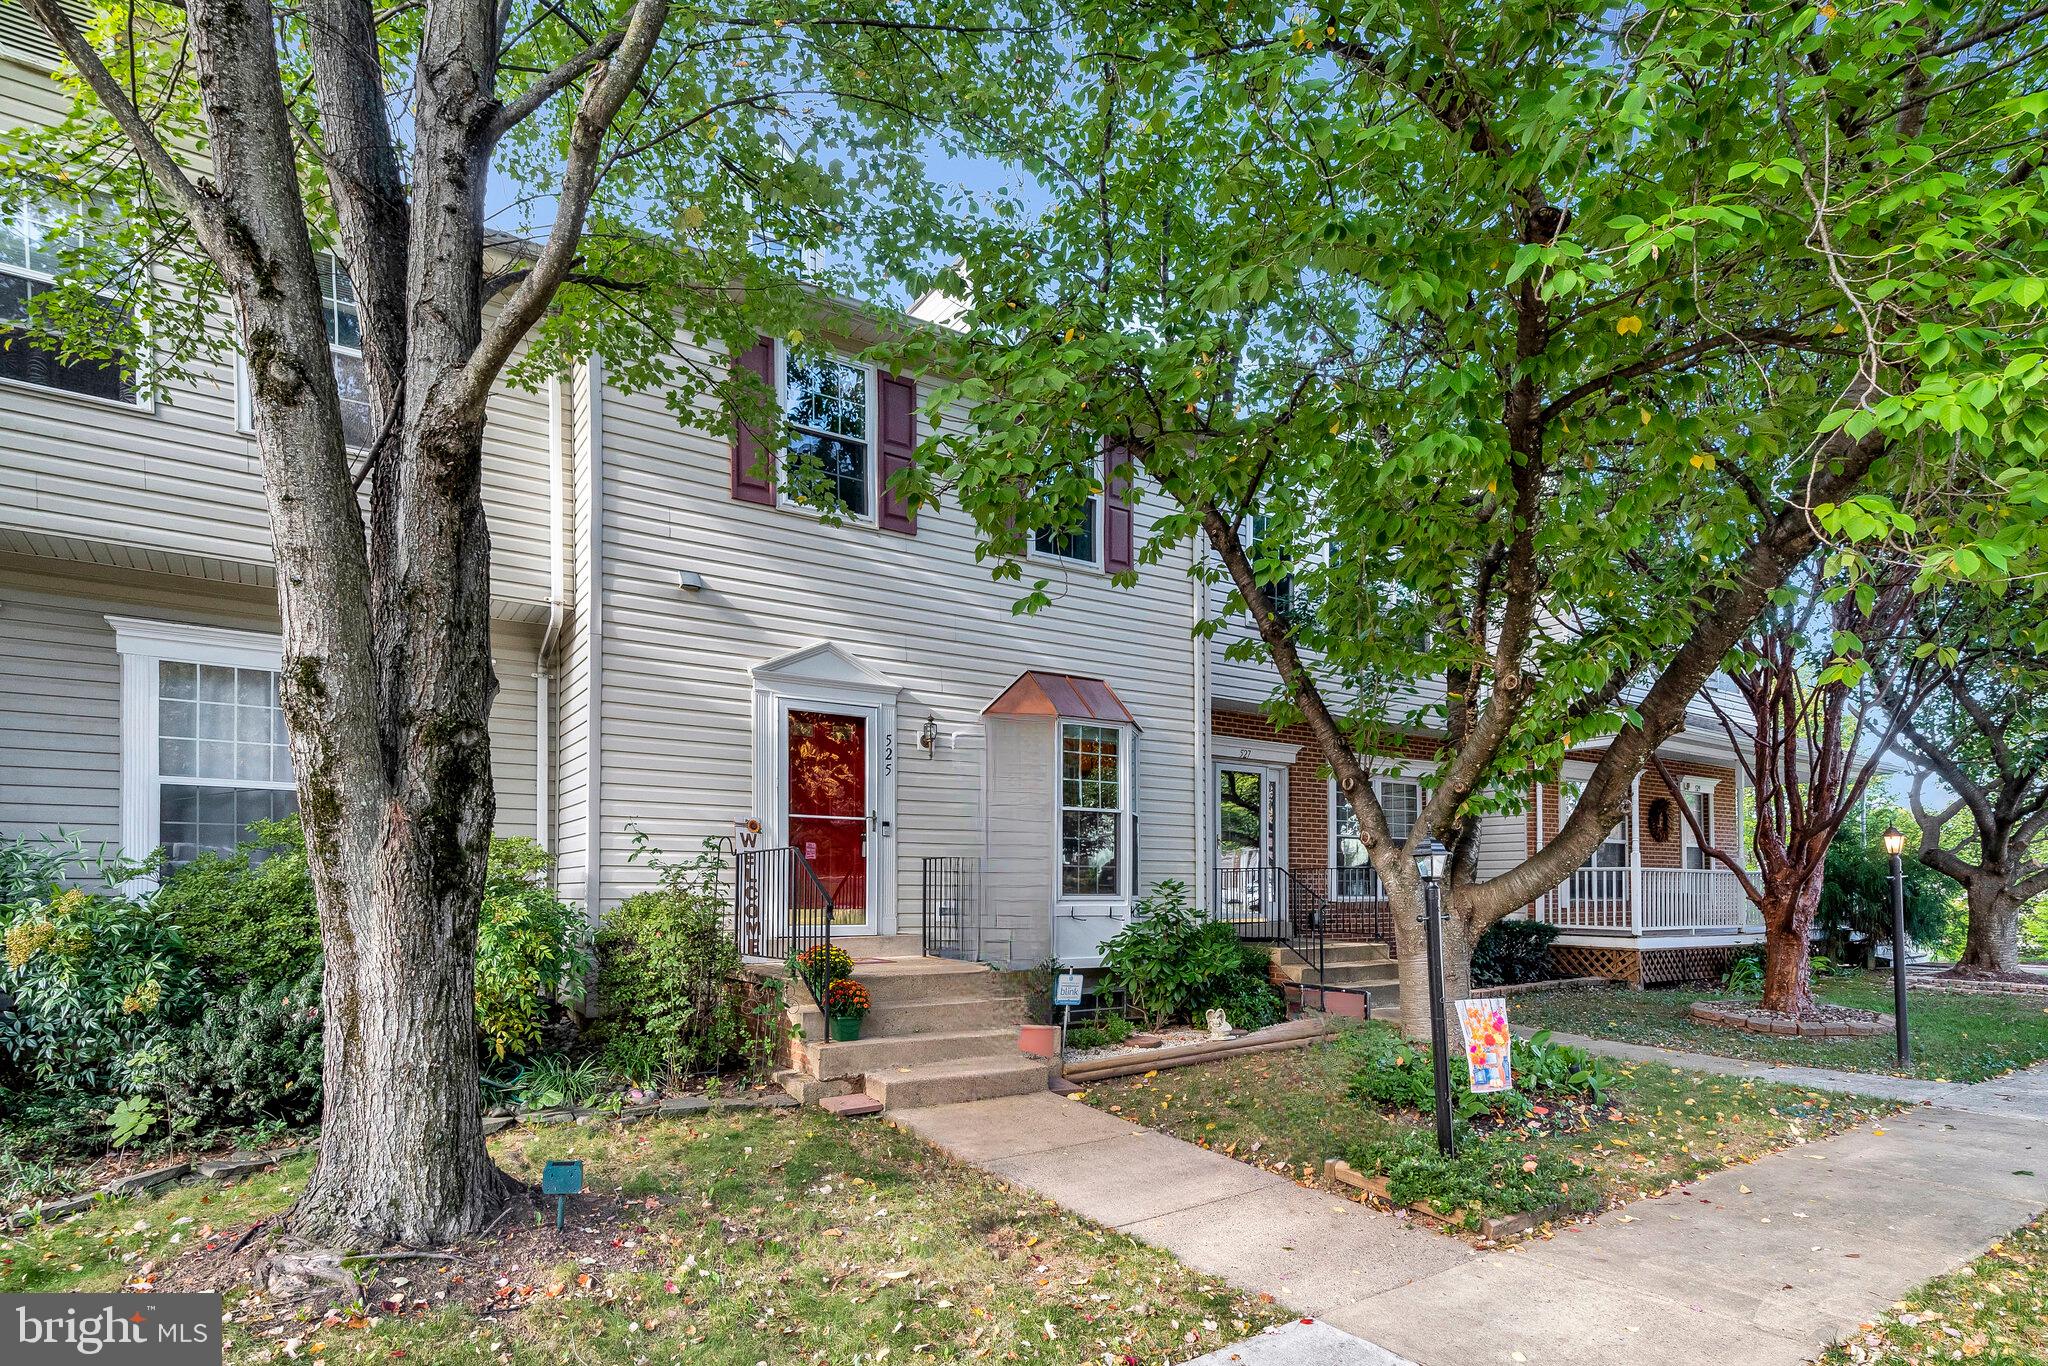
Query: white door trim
x,y
1270,772
826,678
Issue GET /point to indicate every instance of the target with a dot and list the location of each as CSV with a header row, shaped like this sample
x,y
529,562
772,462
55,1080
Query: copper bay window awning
x,y
1039,693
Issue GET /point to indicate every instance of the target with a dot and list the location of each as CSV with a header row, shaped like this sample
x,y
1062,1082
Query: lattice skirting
x,y
1643,967
1596,960
1707,963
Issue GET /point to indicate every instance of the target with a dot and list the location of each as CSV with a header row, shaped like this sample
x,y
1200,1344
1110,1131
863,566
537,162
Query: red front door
x,y
828,805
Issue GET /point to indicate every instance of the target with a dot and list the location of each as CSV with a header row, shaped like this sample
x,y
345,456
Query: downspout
x,y
1198,599
593,628
544,663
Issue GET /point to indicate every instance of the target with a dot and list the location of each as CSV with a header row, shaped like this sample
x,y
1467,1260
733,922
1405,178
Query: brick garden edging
x,y
1833,1022
1963,986
227,1170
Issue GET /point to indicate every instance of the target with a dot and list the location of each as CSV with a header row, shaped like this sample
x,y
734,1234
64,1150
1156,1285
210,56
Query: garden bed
x,y
742,1236
1825,1022
1656,1129
1956,1036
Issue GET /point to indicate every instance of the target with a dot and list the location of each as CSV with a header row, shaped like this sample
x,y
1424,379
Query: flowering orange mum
x,y
848,997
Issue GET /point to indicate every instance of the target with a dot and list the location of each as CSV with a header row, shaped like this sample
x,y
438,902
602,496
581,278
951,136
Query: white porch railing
x,y
1648,901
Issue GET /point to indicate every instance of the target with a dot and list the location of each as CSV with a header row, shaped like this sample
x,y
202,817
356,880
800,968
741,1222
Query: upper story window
x,y
35,239
343,316
829,406
1091,812
345,343
204,751
1080,542
1280,592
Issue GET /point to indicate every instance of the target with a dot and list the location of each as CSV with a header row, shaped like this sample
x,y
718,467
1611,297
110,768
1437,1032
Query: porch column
x,y
1633,834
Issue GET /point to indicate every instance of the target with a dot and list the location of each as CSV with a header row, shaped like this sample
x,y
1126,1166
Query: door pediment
x,y
823,665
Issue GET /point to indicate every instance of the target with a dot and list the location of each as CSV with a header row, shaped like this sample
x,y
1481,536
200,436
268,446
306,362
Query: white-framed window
x,y
344,320
1698,796
829,405
36,238
1280,593
1094,802
1081,542
203,745
1351,874
1612,851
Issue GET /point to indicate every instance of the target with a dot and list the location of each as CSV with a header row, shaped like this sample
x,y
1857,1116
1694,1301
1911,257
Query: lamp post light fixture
x,y
1895,845
1430,859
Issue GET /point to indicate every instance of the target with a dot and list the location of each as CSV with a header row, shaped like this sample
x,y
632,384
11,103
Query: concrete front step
x,y
903,981
1340,974
920,1017
964,1079
855,1057
1368,951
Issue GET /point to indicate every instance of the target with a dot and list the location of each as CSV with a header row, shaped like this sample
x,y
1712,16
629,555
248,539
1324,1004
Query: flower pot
x,y
1040,1041
845,1028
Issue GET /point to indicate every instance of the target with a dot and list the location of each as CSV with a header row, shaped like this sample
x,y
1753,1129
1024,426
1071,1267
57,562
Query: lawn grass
x,y
1286,1111
1993,1312
761,1236
1956,1037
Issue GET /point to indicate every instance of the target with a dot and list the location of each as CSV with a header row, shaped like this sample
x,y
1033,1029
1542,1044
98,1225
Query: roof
x,y
1039,693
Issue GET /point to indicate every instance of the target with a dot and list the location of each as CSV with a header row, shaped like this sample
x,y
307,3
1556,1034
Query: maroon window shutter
x,y
753,475
1117,548
898,431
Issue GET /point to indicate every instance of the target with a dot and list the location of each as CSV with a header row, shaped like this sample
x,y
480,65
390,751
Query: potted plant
x,y
821,965
846,1004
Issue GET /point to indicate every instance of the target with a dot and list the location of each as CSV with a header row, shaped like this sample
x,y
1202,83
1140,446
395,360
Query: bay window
x,y
1092,803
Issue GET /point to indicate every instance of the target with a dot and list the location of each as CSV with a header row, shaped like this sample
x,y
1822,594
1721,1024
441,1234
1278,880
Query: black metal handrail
x,y
781,910
951,924
1269,904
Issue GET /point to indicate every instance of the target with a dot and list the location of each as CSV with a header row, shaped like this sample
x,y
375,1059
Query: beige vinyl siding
x,y
176,486
678,697
60,692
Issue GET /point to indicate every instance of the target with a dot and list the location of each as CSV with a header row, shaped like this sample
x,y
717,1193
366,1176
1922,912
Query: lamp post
x,y
1895,845
1429,862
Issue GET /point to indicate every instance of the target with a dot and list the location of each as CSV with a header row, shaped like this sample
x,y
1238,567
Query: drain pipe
x,y
544,663
1204,795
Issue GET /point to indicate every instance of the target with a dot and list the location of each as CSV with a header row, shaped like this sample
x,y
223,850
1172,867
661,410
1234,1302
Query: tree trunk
x,y
1788,973
1411,952
1993,942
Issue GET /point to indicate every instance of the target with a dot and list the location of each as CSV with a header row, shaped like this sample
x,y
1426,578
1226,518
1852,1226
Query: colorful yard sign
x,y
1484,1022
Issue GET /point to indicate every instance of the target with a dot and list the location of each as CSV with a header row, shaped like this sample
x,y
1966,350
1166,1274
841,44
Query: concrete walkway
x,y
1763,1265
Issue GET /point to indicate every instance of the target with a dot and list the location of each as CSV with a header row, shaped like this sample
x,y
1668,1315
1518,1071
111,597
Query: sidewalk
x,y
1825,1236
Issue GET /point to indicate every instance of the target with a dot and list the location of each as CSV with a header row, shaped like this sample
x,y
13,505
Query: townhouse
x,y
685,649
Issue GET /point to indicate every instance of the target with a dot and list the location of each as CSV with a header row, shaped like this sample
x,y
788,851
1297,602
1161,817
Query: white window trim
x,y
1688,789
1033,555
245,409
871,437
142,645
1400,773
1126,812
141,403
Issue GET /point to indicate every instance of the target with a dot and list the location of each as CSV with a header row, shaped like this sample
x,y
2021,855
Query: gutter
x,y
544,662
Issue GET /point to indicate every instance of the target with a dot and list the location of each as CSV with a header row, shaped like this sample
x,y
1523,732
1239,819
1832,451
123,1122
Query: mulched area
x,y
1821,1020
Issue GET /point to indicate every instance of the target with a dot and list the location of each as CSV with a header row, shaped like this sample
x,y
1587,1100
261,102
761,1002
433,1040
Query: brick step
x,y
944,1016
855,1057
1340,974
948,1083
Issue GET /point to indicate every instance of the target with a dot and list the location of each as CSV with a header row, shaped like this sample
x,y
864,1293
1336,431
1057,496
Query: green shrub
x,y
667,973
1746,973
249,916
1102,1033
1494,1176
251,1061
1172,963
1392,1073
98,978
1513,951
530,948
